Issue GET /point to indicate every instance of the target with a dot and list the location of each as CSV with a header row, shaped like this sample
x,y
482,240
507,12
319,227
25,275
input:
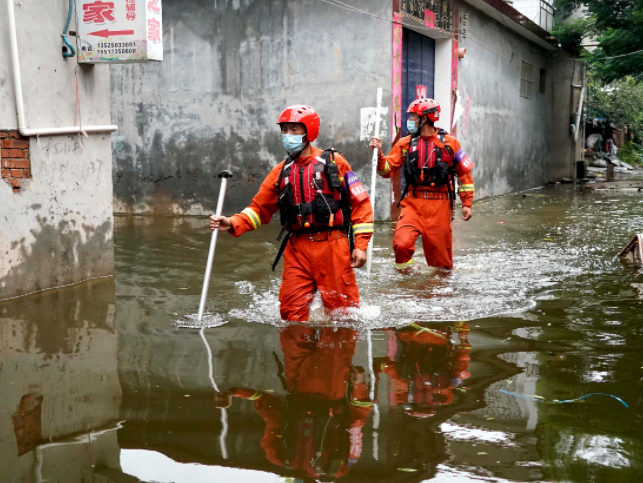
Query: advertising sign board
x,y
119,31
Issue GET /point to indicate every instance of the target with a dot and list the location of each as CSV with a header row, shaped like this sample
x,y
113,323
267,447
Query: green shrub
x,y
631,153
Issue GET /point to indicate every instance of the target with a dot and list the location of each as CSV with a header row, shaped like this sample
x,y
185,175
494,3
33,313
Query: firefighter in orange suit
x,y
322,206
316,429
429,159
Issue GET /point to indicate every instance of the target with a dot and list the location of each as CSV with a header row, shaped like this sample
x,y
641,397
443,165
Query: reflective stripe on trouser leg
x,y
430,219
402,266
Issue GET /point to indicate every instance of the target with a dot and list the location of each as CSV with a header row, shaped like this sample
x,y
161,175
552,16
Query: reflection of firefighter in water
x,y
424,375
316,430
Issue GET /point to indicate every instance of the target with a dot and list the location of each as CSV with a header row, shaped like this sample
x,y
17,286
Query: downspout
x,y
17,82
579,113
576,124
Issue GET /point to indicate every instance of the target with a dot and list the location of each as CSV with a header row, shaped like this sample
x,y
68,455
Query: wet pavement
x,y
98,386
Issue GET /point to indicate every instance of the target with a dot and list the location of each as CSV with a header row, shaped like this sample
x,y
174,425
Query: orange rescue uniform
x,y
319,261
426,211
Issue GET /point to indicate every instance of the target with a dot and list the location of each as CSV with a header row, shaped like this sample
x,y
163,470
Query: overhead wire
x,y
617,56
350,8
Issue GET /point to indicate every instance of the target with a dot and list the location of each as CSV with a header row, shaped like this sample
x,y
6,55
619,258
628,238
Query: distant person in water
x,y
430,159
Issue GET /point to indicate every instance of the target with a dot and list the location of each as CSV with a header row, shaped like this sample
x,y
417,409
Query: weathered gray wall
x,y
508,136
230,67
58,229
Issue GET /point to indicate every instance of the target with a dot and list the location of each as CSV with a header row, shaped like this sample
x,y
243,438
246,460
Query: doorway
x,y
418,70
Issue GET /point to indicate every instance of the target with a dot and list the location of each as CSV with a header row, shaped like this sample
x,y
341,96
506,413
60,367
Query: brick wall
x,y
14,154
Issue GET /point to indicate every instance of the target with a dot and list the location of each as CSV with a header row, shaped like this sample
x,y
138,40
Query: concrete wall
x,y
58,229
508,136
230,67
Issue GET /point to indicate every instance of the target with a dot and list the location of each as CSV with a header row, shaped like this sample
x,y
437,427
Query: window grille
x,y
527,80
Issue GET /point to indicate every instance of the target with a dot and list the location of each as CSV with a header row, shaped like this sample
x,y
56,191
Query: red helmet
x,y
305,115
425,107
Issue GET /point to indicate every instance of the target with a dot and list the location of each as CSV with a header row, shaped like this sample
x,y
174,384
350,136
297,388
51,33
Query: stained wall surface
x,y
230,67
58,228
507,135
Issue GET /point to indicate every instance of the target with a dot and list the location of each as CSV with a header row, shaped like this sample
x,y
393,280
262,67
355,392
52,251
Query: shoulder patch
x,y
449,138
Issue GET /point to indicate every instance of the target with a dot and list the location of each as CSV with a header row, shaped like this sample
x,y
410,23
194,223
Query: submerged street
x,y
443,377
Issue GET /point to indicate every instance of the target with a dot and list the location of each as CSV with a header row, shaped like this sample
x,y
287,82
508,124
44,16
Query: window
x,y
543,81
527,80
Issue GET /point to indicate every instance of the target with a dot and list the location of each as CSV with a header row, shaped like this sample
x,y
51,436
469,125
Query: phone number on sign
x,y
115,51
112,45
112,48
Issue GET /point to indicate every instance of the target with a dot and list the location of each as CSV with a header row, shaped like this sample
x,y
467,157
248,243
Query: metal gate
x,y
418,70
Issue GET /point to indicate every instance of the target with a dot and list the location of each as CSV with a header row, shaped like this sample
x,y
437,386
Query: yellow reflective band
x,y
405,152
385,171
466,187
256,396
363,228
402,266
254,217
421,329
361,404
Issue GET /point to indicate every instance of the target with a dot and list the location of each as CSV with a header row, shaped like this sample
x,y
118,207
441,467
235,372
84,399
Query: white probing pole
x,y
369,254
224,175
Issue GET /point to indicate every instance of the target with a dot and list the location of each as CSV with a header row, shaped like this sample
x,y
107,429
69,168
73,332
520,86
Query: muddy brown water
x,y
98,386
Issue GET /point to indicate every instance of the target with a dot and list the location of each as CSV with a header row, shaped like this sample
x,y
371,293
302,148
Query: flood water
x,y
98,386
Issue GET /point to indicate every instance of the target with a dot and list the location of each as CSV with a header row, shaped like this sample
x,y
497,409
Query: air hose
x,y
67,47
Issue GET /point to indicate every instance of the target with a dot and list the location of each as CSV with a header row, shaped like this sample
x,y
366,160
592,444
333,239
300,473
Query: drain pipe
x,y
17,83
580,106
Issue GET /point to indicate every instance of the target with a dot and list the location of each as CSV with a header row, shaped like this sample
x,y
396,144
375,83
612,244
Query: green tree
x,y
620,101
618,27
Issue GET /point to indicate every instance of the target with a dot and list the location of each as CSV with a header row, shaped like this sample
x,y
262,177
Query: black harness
x,y
439,174
321,207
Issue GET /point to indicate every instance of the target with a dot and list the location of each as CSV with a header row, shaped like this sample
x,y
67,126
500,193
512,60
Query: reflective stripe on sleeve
x,y
363,228
361,404
385,171
402,266
254,217
256,396
466,187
